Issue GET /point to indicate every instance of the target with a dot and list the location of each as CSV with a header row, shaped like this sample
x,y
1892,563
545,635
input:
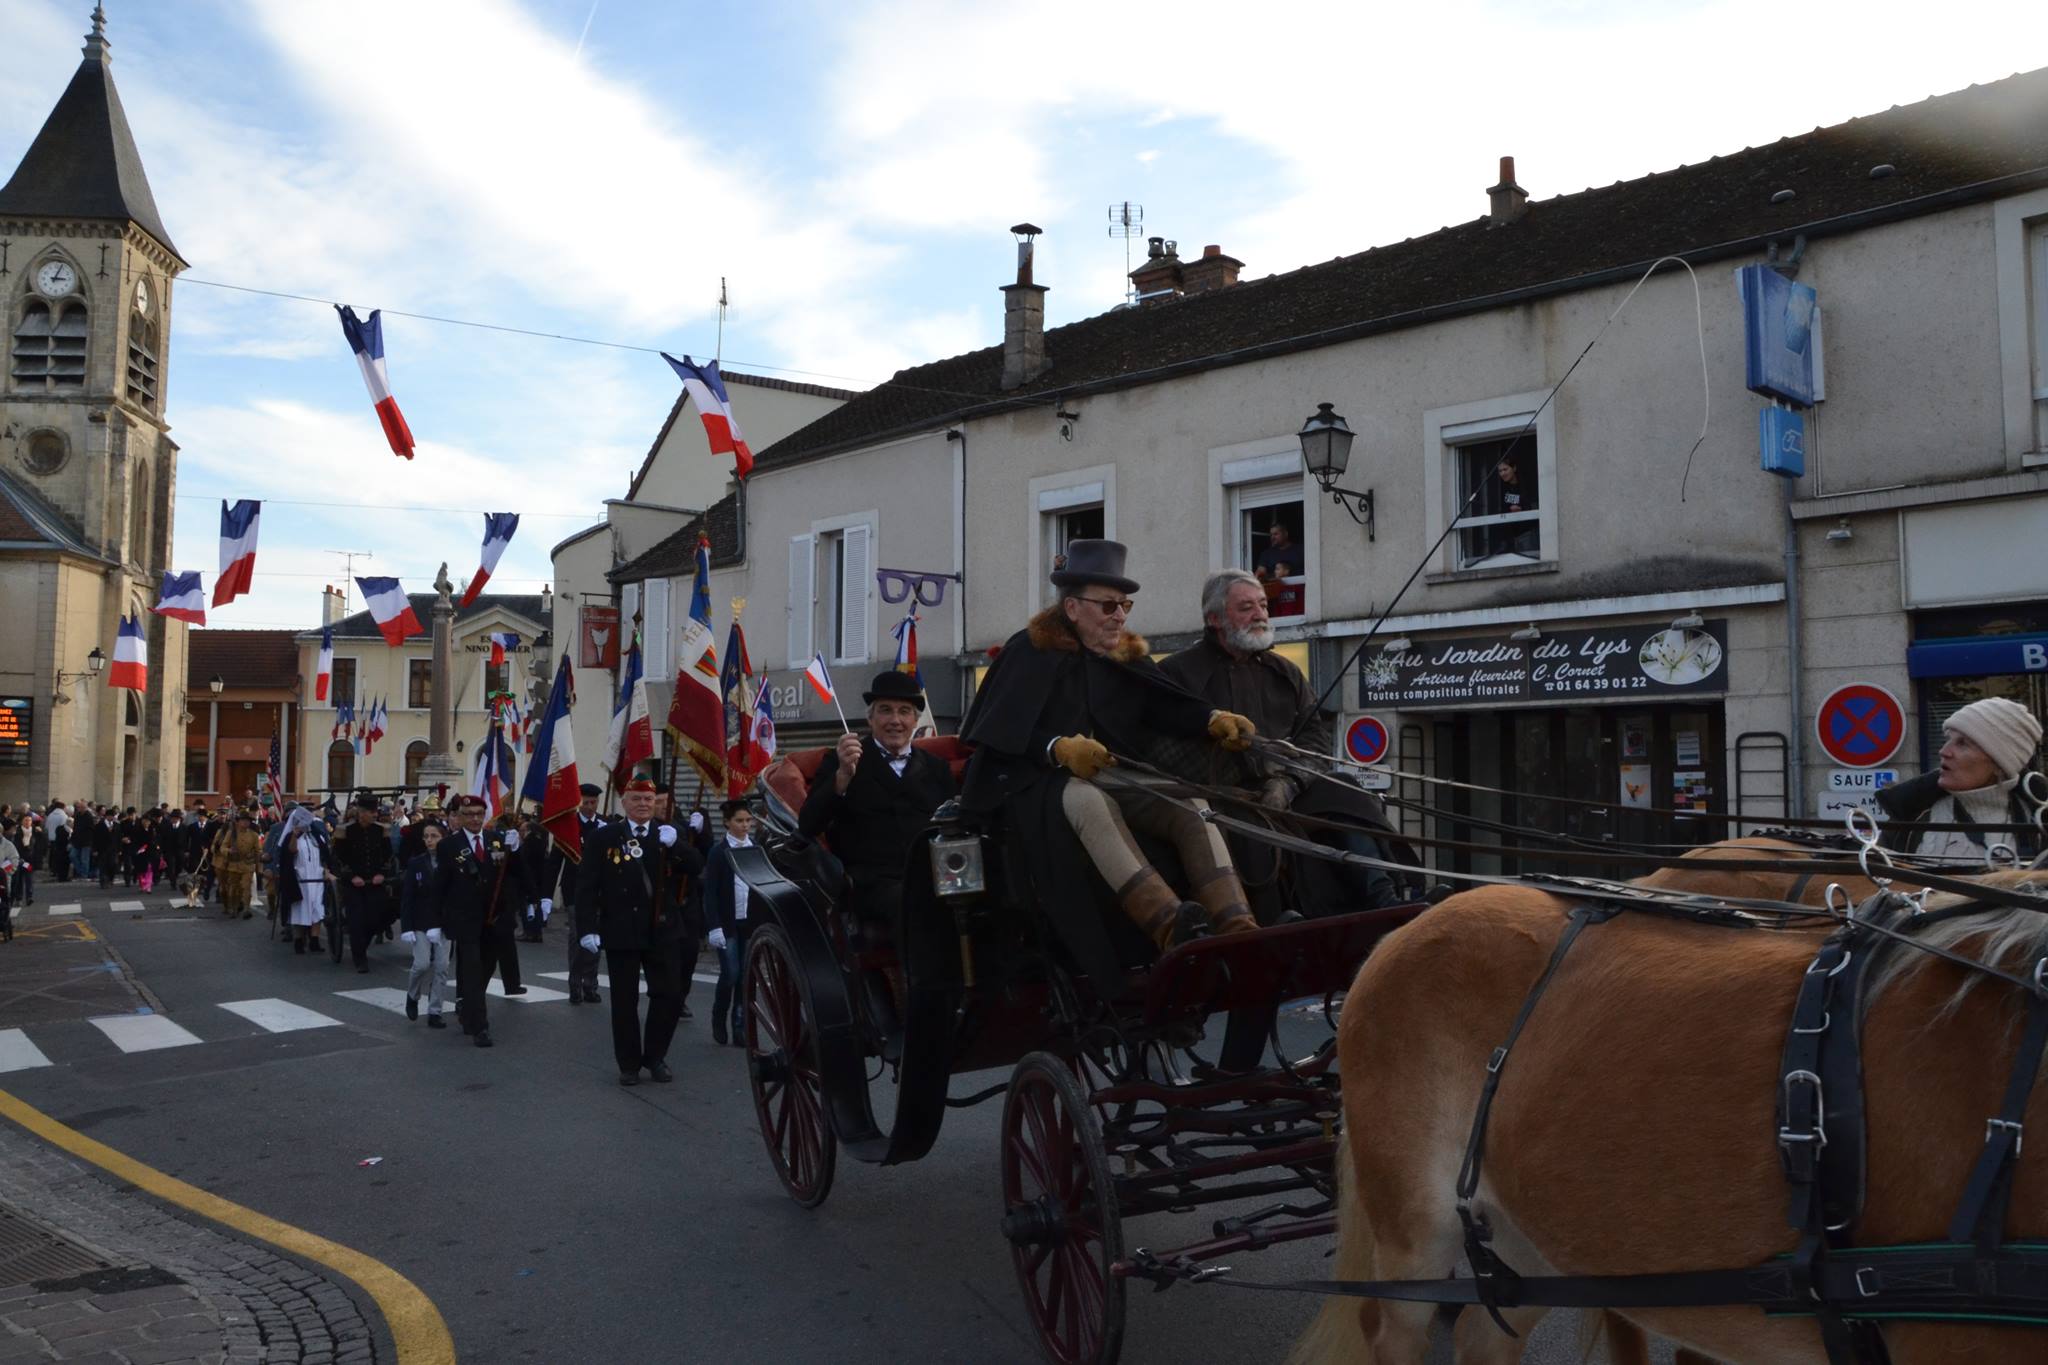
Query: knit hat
x,y
2005,730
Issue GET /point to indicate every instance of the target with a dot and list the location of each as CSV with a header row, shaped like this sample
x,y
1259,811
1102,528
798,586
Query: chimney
x,y
1159,278
1213,271
330,605
1507,201
1023,316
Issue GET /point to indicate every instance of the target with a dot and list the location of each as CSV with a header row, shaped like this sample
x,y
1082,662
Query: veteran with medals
x,y
626,905
480,882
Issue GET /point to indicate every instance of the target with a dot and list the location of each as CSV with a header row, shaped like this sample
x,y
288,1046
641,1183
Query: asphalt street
x,y
549,1213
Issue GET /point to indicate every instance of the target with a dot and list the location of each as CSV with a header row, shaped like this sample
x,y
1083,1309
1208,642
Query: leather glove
x,y
589,943
433,935
1231,730
717,937
408,937
1081,756
668,836
547,907
1276,793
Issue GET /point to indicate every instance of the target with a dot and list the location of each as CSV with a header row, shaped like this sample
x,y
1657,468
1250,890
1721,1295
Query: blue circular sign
x,y
1366,740
1860,725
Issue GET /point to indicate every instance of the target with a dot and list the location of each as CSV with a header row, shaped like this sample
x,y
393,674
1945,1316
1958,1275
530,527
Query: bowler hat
x,y
1094,561
894,685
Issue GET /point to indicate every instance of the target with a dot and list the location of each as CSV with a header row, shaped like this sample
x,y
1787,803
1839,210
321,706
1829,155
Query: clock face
x,y
55,279
142,297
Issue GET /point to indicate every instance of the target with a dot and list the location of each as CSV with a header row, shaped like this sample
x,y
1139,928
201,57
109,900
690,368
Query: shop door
x,y
1561,754
242,779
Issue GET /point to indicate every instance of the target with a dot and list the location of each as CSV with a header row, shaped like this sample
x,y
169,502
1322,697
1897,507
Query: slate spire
x,y
83,164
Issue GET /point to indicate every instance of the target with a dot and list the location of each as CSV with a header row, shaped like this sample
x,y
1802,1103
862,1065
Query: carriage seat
x,y
789,779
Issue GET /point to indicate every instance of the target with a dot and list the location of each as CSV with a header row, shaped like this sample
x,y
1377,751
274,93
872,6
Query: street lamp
x,y
94,663
1325,454
214,684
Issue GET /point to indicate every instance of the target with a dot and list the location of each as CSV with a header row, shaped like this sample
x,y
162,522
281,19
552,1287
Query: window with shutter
x,y
853,594
629,612
803,598
654,629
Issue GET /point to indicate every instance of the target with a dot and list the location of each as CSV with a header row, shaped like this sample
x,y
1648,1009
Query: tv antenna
x,y
348,573
1127,220
724,302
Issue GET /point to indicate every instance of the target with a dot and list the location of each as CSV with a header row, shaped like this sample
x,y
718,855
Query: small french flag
x,y
237,550
323,673
820,679
131,657
498,529
391,609
366,339
721,427
182,598
501,640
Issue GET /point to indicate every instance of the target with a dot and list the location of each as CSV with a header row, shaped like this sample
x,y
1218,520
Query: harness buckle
x,y
2018,1130
1788,1137
1825,1017
1868,1289
1498,1060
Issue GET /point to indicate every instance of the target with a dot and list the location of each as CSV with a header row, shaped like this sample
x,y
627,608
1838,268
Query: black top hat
x,y
892,685
1093,561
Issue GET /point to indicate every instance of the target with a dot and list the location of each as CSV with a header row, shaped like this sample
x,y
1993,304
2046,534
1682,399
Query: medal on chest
x,y
632,848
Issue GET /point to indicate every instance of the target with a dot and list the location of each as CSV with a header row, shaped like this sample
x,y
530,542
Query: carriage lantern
x,y
1326,453
957,866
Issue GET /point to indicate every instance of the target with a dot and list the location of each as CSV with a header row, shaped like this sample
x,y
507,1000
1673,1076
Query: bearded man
x,y
1064,695
1234,666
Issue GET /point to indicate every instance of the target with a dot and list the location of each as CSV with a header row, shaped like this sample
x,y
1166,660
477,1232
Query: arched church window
x,y
49,344
142,345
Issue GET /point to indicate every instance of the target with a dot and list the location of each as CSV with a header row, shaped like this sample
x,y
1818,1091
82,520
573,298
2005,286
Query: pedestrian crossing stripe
x,y
143,1032
125,905
68,909
278,1016
17,1053
378,997
535,995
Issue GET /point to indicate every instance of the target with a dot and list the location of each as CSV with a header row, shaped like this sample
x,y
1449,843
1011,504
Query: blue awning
x,y
1978,656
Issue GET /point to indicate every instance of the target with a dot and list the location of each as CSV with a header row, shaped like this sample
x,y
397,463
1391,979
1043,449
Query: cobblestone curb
x,y
211,1297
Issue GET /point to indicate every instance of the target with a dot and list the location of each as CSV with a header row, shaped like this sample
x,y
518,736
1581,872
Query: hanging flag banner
x,y
391,609
237,550
597,633
182,598
551,782
501,641
323,673
498,529
721,428
696,715
130,668
631,738
736,686
366,339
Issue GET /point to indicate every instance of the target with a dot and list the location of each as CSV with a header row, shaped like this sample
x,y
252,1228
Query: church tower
x,y
88,472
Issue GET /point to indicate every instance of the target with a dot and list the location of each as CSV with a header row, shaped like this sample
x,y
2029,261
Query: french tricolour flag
x,y
498,529
501,640
182,598
721,427
131,657
551,780
391,609
366,339
820,679
324,673
237,550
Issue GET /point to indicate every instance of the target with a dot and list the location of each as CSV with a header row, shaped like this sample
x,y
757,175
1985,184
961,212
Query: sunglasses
x,y
1110,606
898,584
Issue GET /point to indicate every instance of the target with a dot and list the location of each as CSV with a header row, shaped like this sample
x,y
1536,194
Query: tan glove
x,y
1081,756
1231,730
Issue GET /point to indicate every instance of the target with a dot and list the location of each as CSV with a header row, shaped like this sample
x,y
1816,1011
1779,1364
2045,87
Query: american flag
x,y
273,771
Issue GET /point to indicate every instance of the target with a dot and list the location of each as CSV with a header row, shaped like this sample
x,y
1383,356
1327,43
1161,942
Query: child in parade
x,y
419,919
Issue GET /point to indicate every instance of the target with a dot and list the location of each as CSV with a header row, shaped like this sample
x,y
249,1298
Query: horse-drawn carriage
x,y
1112,1109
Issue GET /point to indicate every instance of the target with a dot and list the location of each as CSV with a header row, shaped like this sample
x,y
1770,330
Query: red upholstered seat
x,y
790,778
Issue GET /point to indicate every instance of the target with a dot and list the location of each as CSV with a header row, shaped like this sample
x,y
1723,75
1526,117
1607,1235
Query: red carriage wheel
x,y
1060,1214
782,1067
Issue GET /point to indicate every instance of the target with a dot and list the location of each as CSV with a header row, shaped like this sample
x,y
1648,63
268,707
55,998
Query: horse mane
x,y
2005,937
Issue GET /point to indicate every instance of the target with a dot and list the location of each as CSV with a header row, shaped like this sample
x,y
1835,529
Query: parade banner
x,y
1610,663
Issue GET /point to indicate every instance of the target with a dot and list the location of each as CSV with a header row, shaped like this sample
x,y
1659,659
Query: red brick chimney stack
x,y
1507,201
1213,270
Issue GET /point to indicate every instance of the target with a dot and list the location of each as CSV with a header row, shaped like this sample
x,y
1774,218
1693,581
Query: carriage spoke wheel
x,y
782,1067
1060,1215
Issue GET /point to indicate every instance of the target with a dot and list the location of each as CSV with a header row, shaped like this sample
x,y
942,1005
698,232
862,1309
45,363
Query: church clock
x,y
55,279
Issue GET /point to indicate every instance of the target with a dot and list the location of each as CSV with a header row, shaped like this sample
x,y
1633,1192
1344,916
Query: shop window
x,y
1271,542
1496,482
419,683
341,688
341,767
415,757
197,778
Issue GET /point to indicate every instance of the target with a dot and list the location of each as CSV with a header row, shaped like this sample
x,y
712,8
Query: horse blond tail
x,y
1337,1336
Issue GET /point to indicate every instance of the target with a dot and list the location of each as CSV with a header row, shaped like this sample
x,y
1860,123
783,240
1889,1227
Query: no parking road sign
x,y
1366,740
1860,725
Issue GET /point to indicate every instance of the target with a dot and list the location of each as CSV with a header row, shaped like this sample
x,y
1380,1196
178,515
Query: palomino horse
x,y
1635,1127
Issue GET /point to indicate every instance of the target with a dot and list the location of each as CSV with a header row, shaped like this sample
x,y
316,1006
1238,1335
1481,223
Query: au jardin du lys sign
x,y
1611,663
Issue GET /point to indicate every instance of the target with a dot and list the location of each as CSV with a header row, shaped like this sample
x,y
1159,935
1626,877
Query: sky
x,y
850,170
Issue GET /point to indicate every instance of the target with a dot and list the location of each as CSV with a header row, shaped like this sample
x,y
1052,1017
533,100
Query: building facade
x,y
243,688
88,471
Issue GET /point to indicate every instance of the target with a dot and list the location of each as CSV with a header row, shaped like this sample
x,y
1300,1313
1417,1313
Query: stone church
x,y
88,471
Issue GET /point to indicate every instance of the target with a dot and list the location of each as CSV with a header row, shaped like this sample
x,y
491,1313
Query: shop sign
x,y
1608,663
597,637
1864,781
17,728
1982,656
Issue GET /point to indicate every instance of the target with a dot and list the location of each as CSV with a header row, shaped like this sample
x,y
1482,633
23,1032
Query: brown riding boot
x,y
1153,907
1223,897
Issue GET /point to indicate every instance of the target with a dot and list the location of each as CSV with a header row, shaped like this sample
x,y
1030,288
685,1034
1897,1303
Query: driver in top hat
x,y
1065,694
872,797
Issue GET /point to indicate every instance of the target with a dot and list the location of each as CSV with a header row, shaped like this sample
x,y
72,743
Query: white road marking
x,y
278,1016
708,978
143,1032
17,1053
70,908
382,997
125,905
534,994
564,976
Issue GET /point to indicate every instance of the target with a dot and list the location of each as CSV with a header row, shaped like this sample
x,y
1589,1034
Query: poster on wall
x,y
1612,663
1689,790
17,728
1635,786
1635,739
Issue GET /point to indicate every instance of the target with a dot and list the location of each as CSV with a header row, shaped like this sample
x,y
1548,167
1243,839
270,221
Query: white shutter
x,y
803,597
629,607
853,594
654,631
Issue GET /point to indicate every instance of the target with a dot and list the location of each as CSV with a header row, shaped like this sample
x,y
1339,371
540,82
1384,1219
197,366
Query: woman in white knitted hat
x,y
1987,747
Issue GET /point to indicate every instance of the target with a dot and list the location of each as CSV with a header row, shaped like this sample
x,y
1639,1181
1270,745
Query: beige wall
x,y
685,472
580,576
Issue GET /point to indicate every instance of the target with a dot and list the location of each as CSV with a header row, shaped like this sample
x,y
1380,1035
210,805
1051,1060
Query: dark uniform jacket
x,y
626,886
364,851
875,821
419,895
475,892
558,879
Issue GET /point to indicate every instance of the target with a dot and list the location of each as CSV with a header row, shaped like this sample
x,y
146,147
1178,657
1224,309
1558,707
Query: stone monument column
x,y
442,768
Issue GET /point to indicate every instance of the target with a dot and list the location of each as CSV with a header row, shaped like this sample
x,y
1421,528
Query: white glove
x,y
589,943
408,937
668,836
511,841
697,819
433,935
547,907
718,938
